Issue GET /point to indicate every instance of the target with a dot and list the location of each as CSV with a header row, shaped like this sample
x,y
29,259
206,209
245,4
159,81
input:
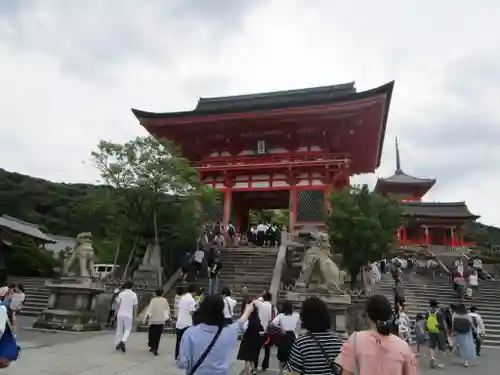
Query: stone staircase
x,y
419,290
37,295
242,266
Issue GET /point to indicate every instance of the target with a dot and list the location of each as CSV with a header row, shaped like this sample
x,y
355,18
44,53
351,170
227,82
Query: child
x,y
420,331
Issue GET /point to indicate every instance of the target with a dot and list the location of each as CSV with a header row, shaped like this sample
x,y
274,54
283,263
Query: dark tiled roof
x,y
23,227
458,210
399,177
277,99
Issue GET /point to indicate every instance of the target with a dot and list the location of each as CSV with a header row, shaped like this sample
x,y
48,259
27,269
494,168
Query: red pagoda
x,y
275,150
425,223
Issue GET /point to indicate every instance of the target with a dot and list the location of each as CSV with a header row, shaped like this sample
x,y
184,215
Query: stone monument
x,y
72,304
149,273
321,277
148,276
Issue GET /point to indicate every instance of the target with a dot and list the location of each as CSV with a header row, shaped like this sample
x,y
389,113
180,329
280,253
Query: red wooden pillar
x,y
402,234
327,192
453,240
228,195
293,209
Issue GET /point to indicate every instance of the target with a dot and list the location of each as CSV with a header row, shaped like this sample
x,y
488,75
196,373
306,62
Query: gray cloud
x,y
93,38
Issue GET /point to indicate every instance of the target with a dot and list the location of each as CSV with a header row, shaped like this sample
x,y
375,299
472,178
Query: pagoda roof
x,y
404,180
455,210
24,228
399,177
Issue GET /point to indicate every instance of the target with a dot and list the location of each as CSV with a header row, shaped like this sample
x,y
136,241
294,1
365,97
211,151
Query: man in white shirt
x,y
267,312
198,257
261,234
229,304
187,305
126,311
478,322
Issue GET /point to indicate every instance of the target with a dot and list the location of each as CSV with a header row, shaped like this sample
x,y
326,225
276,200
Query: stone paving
x,y
82,354
94,354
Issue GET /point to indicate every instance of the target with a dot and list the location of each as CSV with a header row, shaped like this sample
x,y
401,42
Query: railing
x,y
422,242
278,267
298,157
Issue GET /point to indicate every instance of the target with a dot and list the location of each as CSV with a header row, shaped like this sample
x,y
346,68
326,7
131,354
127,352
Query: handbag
x,y
336,369
8,345
205,353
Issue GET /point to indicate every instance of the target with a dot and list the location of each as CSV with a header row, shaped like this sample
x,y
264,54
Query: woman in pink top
x,y
377,351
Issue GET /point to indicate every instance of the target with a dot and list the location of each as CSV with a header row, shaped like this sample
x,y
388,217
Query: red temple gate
x,y
285,149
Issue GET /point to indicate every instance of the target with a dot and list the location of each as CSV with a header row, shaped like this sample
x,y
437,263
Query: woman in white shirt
x,y
229,305
288,322
157,313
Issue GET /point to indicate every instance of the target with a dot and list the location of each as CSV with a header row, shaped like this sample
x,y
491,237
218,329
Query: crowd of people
x,y
261,235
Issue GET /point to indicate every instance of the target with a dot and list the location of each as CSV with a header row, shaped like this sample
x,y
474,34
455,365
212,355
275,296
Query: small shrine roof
x,y
456,210
25,228
402,179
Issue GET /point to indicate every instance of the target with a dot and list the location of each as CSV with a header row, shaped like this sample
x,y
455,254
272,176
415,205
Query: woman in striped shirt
x,y
314,353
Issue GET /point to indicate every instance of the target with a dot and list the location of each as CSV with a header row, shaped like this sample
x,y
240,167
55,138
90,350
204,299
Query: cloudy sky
x,y
70,70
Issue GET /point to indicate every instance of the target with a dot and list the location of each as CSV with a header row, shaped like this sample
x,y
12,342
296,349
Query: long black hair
x,y
210,311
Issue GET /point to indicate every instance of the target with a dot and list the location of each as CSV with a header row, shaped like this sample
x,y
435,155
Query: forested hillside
x,y
68,209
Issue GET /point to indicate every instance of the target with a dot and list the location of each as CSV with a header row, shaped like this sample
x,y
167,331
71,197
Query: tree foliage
x,y
140,178
362,226
278,217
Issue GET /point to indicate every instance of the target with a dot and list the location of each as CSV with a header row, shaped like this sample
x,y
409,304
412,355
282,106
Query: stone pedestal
x,y
338,303
147,276
72,306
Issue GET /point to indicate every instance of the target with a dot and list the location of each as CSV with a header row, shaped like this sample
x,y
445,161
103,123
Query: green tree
x,y
150,175
362,227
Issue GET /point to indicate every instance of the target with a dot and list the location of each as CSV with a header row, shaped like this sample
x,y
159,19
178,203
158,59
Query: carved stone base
x,y
148,276
72,306
327,297
66,320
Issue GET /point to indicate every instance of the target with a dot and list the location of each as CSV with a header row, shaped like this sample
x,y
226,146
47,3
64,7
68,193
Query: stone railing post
x,y
274,288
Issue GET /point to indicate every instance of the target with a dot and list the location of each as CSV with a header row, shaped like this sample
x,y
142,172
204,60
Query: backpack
x,y
231,230
395,324
474,321
461,325
432,323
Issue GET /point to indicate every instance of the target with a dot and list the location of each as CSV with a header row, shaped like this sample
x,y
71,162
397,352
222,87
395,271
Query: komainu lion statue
x,y
317,263
83,253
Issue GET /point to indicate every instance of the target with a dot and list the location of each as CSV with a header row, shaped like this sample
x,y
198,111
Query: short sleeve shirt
x,y
370,353
307,356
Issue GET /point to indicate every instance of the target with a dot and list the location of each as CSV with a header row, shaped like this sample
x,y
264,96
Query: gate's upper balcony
x,y
271,161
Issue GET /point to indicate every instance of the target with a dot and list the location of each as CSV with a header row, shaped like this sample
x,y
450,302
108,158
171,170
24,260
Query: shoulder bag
x,y
205,353
336,370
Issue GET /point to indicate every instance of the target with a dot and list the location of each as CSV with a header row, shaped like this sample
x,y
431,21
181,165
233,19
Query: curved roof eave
x,y
384,89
